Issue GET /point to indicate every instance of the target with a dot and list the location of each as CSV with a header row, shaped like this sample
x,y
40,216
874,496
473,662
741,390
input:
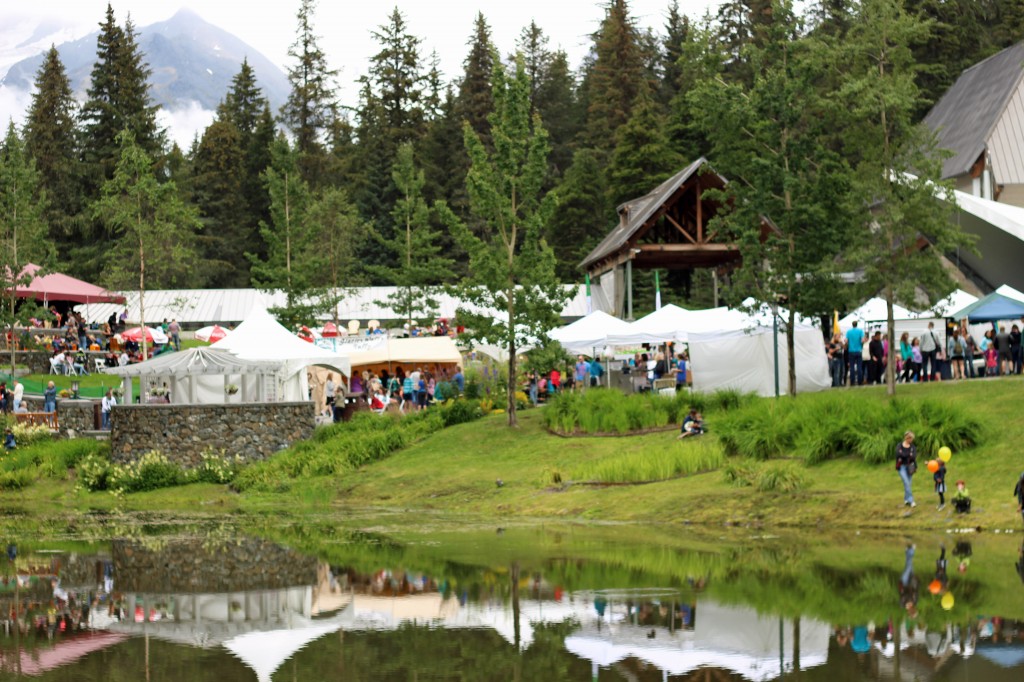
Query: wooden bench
x,y
37,419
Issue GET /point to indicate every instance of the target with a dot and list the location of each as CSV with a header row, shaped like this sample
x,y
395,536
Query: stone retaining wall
x,y
75,415
255,431
186,566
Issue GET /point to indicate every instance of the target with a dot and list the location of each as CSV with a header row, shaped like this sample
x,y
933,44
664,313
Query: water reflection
x,y
574,608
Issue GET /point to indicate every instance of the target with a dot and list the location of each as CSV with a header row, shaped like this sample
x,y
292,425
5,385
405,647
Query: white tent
x,y
202,375
874,310
590,332
957,300
745,360
1010,292
672,323
418,349
263,339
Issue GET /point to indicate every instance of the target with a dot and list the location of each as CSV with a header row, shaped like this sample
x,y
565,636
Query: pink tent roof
x,y
58,287
65,651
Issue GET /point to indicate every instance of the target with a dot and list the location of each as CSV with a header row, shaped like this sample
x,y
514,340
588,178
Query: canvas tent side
x,y
745,361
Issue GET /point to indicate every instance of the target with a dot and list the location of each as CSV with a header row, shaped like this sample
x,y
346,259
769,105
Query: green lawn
x,y
456,470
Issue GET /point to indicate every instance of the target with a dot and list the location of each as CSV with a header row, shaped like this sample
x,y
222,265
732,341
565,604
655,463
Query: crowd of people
x,y
412,391
857,358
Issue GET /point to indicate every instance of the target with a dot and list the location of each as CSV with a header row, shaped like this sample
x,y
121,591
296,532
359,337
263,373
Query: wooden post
x,y
629,289
700,214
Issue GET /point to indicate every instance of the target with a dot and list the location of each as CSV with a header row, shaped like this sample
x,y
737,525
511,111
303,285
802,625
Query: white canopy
x,y
957,300
590,332
262,338
417,349
874,310
745,360
672,323
202,375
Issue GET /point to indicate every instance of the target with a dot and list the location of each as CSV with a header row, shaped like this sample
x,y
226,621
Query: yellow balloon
x,y
945,454
948,601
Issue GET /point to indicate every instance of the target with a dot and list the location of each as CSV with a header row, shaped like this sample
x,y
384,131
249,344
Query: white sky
x,y
345,27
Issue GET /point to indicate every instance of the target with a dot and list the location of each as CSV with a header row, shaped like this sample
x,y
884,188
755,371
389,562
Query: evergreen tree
x,y
23,237
474,103
219,169
512,269
584,214
533,45
336,234
244,103
643,157
560,109
258,158
417,266
117,99
289,240
740,24
151,229
831,18
434,88
311,104
898,186
677,33
397,78
51,141
613,80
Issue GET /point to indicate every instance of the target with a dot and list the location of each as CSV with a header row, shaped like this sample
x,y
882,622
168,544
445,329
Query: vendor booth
x,y
745,361
206,376
590,332
430,353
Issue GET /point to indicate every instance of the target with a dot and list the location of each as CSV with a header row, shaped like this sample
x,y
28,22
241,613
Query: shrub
x,y
215,467
782,478
94,472
151,471
738,475
445,390
16,480
460,411
680,459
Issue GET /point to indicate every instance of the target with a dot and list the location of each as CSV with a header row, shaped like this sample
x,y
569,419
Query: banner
x,y
346,345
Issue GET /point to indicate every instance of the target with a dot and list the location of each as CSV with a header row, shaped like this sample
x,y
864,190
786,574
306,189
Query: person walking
x,y
835,359
940,483
175,329
906,465
19,394
855,345
876,350
906,357
956,351
970,350
929,350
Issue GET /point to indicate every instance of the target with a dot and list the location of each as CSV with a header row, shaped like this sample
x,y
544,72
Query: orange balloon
x,y
933,465
935,587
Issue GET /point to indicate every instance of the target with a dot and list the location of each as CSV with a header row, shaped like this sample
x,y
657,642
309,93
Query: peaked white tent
x,y
672,323
263,339
874,310
590,332
957,300
266,651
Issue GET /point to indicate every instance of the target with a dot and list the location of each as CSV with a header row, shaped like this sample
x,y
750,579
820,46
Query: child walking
x,y
940,483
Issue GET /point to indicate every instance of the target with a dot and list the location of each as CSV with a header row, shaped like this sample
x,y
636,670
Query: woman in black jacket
x,y
906,465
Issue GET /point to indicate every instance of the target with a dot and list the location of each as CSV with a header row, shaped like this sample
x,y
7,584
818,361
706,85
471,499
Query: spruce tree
x,y
474,103
243,105
219,169
613,80
416,264
643,157
533,45
584,214
312,102
51,140
397,80
561,111
677,33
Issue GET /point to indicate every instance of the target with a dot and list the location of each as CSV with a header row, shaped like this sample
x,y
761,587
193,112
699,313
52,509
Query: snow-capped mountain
x,y
192,63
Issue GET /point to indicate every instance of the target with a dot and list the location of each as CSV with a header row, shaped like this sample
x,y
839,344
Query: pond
x,y
428,598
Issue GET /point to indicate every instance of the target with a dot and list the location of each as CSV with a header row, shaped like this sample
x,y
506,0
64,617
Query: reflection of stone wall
x,y
254,431
185,566
77,415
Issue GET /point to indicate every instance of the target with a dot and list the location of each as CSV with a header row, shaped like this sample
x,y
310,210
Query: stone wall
x,y
205,565
75,415
254,431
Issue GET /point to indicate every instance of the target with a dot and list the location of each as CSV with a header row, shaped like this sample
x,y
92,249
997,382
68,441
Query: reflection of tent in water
x,y
725,637
264,652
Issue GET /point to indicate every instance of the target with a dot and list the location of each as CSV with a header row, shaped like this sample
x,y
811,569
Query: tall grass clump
x,y
767,477
657,464
608,411
842,424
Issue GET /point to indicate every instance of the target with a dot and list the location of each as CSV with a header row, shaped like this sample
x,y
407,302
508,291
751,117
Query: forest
x,y
804,106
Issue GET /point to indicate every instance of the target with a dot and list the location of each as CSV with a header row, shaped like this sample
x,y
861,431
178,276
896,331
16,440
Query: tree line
x,y
808,111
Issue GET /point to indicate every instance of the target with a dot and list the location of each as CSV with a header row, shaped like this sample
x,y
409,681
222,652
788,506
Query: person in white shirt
x,y
108,403
19,394
122,359
329,392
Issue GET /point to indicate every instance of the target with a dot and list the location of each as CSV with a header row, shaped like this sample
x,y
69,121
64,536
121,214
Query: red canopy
x,y
58,287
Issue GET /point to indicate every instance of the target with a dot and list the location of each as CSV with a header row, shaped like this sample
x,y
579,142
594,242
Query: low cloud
x,y
185,123
14,104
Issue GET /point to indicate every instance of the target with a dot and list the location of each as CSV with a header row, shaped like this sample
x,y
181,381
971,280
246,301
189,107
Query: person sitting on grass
x,y
9,443
962,498
693,424
1018,491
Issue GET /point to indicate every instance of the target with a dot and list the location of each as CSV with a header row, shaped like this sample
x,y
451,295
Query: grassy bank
x,y
825,466
546,475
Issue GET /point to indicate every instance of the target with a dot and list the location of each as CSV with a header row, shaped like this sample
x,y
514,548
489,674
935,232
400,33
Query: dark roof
x,y
965,116
640,211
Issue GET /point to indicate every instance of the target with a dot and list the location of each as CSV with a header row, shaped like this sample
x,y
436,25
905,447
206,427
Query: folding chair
x,y
99,364
56,367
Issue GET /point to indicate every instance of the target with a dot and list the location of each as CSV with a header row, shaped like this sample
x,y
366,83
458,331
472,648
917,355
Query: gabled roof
x,y
640,211
965,116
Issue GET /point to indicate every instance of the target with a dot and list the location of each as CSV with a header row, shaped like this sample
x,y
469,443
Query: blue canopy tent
x,y
992,308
